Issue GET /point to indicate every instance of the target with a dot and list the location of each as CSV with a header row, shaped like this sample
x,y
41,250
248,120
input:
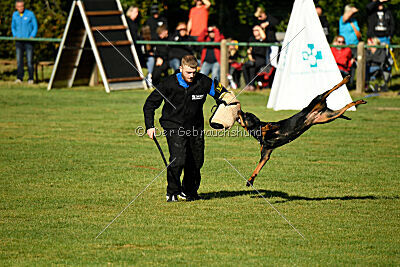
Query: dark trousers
x,y
186,153
22,47
250,69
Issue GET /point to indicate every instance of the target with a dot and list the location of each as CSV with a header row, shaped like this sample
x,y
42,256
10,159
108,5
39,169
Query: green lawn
x,y
70,161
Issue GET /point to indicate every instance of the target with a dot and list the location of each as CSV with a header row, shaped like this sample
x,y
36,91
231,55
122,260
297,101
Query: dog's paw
x,y
250,182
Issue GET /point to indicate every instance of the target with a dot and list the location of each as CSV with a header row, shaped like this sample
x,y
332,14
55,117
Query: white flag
x,y
306,65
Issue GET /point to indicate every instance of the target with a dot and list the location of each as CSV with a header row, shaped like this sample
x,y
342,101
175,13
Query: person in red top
x,y
211,55
198,18
342,55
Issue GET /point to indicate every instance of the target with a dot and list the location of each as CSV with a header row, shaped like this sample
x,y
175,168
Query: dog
x,y
275,134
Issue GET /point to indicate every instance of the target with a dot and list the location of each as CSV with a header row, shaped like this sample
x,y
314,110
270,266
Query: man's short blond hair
x,y
190,61
130,10
348,8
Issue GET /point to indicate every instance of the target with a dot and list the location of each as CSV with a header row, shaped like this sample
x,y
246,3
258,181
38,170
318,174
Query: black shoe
x,y
172,198
194,197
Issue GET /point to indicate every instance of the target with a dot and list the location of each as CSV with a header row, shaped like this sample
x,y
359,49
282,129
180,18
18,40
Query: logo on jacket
x,y
219,87
197,97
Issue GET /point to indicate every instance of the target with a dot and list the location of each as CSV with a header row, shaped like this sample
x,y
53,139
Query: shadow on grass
x,y
278,194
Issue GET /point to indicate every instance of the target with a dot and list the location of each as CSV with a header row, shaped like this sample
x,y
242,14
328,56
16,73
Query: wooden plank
x,y
109,28
126,79
115,43
103,13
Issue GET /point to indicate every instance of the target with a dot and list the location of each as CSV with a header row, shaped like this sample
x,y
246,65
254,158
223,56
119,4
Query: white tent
x,y
306,66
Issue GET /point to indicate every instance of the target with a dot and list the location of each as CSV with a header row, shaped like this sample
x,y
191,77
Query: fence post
x,y
360,85
224,63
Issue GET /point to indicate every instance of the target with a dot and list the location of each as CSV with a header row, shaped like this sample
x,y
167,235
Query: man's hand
x,y
151,132
159,61
264,24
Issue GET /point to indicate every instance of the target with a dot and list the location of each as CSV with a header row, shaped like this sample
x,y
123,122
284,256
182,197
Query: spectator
x,y
24,25
323,20
211,56
380,21
375,58
133,19
177,52
235,68
155,21
268,24
342,55
348,26
198,18
256,57
148,53
161,56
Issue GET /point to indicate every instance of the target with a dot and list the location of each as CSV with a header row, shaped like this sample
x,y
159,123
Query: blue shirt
x,y
347,31
24,26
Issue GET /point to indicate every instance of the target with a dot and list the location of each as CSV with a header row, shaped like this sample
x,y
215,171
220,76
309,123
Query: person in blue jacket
x,y
24,25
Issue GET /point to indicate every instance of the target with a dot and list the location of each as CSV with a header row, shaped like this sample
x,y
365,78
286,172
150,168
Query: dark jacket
x,y
154,24
161,50
325,24
134,27
377,26
188,102
258,52
179,51
270,30
376,59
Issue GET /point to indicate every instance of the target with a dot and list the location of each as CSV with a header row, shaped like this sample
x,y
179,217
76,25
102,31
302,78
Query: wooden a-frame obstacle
x,y
95,36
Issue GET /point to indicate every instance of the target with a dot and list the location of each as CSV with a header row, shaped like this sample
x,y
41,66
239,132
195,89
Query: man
x,y
184,93
198,18
348,26
176,52
133,19
256,57
23,25
268,24
155,21
161,56
323,20
380,21
211,56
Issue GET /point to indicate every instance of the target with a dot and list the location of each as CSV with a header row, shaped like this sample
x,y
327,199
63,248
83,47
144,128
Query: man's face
x,y
262,16
319,11
188,73
163,34
256,32
19,6
182,30
135,13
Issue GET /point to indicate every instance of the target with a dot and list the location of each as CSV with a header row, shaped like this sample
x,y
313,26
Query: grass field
x,y
70,161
